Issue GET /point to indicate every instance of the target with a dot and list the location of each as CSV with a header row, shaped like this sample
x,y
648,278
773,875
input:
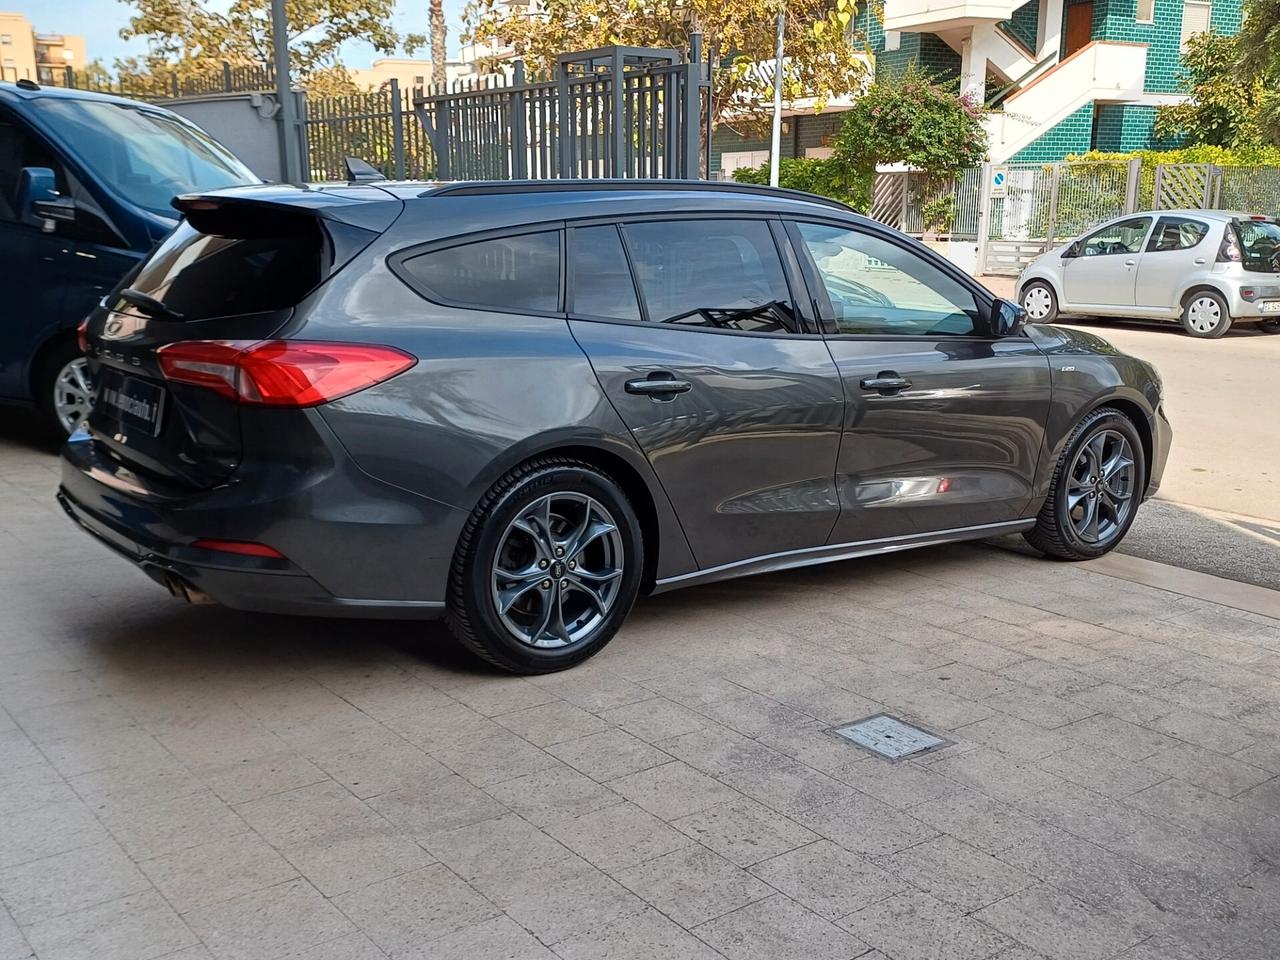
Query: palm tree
x,y
439,33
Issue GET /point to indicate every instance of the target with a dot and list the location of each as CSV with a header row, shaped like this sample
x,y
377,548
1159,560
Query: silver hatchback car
x,y
1207,268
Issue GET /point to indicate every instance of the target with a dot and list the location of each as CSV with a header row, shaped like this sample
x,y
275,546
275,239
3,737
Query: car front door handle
x,y
660,386
1130,263
886,383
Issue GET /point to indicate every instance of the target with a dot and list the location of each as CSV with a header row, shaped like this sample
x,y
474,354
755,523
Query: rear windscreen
x,y
1259,244
244,267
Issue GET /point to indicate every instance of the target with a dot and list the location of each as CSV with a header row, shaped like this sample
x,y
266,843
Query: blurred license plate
x,y
132,402
1271,306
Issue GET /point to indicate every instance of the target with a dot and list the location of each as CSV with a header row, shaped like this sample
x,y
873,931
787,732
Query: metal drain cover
x,y
889,737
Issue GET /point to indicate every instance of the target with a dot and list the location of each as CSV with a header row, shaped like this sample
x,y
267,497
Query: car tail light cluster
x,y
281,373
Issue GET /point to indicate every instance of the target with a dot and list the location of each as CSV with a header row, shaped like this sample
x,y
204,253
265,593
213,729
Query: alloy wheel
x,y
73,394
1204,314
557,570
1102,487
1037,303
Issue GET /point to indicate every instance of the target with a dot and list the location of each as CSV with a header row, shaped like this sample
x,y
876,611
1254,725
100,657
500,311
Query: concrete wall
x,y
245,123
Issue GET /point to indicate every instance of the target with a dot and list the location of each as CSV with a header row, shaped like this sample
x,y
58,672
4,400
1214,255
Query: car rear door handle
x,y
887,383
659,385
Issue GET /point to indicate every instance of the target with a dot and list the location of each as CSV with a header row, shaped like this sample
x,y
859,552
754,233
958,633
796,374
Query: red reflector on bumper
x,y
242,547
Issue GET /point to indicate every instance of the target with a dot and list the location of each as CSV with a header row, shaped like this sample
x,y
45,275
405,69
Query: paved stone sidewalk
x,y
192,783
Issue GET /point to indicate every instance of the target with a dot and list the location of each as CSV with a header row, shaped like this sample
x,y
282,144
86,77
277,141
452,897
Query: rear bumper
x,y
354,546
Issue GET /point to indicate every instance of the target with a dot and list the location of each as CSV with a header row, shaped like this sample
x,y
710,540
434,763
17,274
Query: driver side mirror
x,y
38,202
1072,251
1007,319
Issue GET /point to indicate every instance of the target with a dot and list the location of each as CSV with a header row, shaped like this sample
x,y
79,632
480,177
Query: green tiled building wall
x,y
1024,23
926,49
1116,20
1070,135
802,132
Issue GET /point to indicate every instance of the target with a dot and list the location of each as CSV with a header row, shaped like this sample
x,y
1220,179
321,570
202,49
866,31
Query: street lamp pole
x,y
290,160
775,144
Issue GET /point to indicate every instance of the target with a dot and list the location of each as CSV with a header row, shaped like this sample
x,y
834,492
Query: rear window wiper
x,y
149,305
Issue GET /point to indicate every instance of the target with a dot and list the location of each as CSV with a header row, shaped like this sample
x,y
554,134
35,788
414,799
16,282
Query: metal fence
x,y
223,78
378,127
611,112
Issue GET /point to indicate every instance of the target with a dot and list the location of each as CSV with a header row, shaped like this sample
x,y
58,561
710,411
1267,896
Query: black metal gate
x,y
610,112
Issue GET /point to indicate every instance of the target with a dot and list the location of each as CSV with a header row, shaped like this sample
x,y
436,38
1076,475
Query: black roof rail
x,y
472,188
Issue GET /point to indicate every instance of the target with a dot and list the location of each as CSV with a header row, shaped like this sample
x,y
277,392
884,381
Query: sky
x,y
99,21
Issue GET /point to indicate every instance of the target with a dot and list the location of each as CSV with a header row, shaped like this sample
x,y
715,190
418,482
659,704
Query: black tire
x,y
1194,327
1055,533
1040,285
46,382
473,615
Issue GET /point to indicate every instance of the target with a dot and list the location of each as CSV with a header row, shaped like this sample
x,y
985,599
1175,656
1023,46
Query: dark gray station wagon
x,y
519,405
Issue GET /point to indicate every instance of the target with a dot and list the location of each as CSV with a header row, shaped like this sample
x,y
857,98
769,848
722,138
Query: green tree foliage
x,y
1259,51
193,37
823,56
1225,105
911,119
829,177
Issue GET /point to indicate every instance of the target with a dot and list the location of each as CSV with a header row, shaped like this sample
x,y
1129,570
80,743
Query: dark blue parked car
x,y
85,185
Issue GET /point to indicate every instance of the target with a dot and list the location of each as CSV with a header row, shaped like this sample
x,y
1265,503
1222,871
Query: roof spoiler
x,y
361,171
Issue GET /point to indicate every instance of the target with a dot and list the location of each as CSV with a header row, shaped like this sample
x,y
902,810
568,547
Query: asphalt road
x,y
1218,510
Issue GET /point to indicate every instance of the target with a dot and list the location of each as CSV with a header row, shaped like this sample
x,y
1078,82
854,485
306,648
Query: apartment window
x,y
418,81
68,55
892,40
8,62
1195,19
6,39
1146,11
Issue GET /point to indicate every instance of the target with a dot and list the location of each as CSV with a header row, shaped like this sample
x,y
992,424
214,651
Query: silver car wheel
x,y
1204,314
73,394
1101,487
1037,302
557,570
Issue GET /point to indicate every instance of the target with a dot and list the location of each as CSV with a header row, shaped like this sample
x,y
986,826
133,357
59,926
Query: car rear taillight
x,y
82,335
281,373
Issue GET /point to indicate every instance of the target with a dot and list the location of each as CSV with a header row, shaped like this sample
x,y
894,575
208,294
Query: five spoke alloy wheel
x,y
1097,486
558,570
547,567
1101,487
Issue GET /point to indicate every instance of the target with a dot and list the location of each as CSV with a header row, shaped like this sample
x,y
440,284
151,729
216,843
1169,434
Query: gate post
x,y
984,217
692,111
1051,228
397,130
518,114
1133,185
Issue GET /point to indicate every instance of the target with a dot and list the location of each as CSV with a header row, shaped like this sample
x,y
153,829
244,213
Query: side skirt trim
x,y
770,563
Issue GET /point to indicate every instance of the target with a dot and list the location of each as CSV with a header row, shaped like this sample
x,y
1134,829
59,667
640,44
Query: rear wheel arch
x,y
1201,287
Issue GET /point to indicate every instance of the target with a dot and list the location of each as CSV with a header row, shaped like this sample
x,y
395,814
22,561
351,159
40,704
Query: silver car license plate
x,y
1270,306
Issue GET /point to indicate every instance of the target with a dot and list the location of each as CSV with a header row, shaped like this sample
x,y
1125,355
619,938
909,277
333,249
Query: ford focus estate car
x,y
1206,268
519,405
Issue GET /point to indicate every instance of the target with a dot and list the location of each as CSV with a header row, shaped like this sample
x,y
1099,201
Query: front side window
x,y
879,288
517,274
1125,236
601,280
720,274
1176,233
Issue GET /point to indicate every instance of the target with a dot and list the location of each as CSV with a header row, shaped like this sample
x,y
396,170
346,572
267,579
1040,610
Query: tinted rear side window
x,y
723,274
203,275
514,274
602,284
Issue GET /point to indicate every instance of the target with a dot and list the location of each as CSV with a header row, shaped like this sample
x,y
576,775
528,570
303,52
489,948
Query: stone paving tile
x,y
978,820
216,872
581,901
956,873
403,913
779,929
43,889
609,755
38,832
290,916
1220,736
138,927
673,790
787,786
915,926
618,836
643,936
744,831
994,774
1128,740
1204,768
555,794
693,885
863,824
1060,927
828,879
1102,771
